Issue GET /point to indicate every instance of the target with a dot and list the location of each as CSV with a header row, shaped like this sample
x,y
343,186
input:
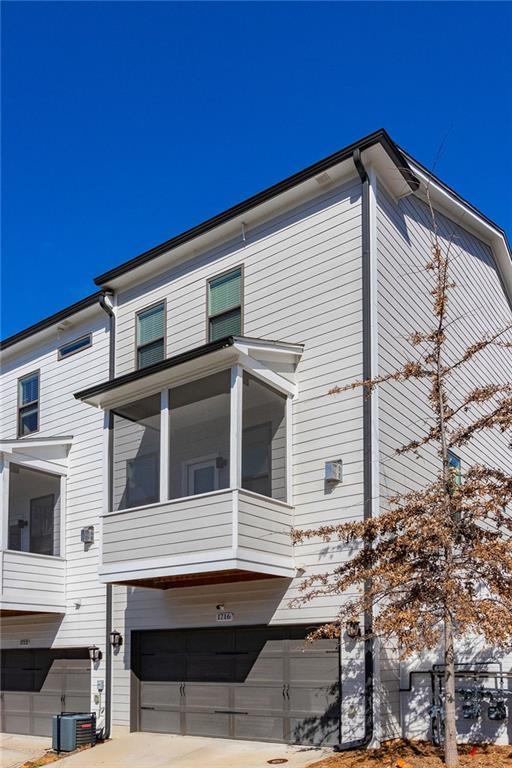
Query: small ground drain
x,y
277,761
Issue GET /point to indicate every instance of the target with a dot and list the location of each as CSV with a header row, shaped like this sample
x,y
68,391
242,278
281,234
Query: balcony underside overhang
x,y
272,361
198,579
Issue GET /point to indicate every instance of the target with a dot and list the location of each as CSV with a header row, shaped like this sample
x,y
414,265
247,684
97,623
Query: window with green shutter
x,y
150,335
225,305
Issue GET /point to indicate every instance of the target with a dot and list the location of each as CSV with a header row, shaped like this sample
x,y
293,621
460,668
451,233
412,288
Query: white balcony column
x,y
164,445
235,450
289,449
107,462
4,497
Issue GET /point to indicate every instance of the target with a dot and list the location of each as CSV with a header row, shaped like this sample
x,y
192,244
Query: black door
x,y
257,683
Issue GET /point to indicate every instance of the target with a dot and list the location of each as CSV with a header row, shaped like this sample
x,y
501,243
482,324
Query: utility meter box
x,y
73,730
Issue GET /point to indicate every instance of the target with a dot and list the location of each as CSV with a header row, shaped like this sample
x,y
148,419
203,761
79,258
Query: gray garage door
x,y
38,683
256,683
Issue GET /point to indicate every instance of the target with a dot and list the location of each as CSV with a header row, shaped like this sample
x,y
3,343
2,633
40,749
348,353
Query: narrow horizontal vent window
x,y
75,346
225,305
150,336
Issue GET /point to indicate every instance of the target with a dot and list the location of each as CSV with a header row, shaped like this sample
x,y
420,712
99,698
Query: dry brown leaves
x,y
418,754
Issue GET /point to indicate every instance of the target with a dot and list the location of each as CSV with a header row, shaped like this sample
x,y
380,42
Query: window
x,y
150,335
263,439
75,346
34,511
136,454
225,305
199,436
455,464
28,404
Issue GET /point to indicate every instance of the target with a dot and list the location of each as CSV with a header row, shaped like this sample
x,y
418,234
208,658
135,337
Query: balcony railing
x,y
31,583
227,535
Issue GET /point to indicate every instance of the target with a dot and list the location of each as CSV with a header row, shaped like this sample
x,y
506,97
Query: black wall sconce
x,y
353,629
94,653
116,639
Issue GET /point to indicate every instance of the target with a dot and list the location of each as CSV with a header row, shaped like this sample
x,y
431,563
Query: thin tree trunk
x,y
451,756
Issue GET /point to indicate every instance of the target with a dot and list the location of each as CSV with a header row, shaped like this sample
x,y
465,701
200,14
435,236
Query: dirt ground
x,y
418,754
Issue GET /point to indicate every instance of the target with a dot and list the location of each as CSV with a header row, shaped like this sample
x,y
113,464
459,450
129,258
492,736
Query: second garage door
x,y
259,683
38,683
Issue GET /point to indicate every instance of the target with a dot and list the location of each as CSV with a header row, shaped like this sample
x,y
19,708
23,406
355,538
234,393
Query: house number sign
x,y
224,616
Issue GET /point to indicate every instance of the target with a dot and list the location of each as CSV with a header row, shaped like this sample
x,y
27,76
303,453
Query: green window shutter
x,y
224,292
228,324
150,325
150,353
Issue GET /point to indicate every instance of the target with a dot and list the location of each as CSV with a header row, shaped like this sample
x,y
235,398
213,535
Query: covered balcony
x,y
32,568
199,461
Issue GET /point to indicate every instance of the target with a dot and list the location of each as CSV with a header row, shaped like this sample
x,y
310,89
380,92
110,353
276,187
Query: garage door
x,y
38,683
256,683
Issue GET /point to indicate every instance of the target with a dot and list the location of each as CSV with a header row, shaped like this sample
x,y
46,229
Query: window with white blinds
x,y
28,404
225,305
150,335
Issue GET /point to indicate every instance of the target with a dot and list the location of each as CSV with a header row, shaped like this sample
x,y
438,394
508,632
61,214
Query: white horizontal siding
x,y
477,305
32,582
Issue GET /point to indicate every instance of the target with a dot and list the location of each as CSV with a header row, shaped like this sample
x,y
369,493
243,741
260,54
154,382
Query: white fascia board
x,y
469,219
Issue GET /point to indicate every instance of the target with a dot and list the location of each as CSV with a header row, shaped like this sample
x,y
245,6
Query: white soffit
x,y
26,450
272,361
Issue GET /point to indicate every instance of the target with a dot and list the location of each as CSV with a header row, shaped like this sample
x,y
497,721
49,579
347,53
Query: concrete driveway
x,y
157,750
16,750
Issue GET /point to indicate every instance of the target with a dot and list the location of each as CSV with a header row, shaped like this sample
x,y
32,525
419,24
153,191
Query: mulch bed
x,y
418,754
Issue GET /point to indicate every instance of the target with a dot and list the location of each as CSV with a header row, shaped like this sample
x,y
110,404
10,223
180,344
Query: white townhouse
x,y
161,437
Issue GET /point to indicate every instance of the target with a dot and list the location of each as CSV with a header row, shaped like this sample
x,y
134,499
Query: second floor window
x,y
150,335
28,404
225,305
454,463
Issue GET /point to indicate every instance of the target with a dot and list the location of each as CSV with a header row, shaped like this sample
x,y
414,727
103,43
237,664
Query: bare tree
x,y
437,562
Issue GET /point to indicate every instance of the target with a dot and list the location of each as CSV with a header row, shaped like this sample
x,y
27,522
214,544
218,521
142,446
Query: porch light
x,y
116,639
353,629
94,653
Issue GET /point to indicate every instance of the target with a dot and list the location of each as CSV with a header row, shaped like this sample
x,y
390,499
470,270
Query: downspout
x,y
106,306
367,449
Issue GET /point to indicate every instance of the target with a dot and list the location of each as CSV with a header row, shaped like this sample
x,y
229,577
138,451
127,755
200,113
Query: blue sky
x,y
126,123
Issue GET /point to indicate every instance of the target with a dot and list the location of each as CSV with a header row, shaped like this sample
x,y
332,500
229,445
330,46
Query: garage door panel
x,y
160,694
203,668
263,669
257,728
211,641
208,724
168,666
160,721
46,703
318,670
317,700
14,722
207,696
41,725
259,698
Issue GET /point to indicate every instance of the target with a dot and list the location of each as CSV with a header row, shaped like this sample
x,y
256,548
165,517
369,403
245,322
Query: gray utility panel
x,y
38,683
257,683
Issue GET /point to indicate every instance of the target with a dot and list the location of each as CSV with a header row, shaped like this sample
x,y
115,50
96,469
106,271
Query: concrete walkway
x,y
16,750
157,750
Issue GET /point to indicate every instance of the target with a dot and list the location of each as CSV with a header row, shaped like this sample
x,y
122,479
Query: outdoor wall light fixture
x,y
353,629
116,639
94,653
